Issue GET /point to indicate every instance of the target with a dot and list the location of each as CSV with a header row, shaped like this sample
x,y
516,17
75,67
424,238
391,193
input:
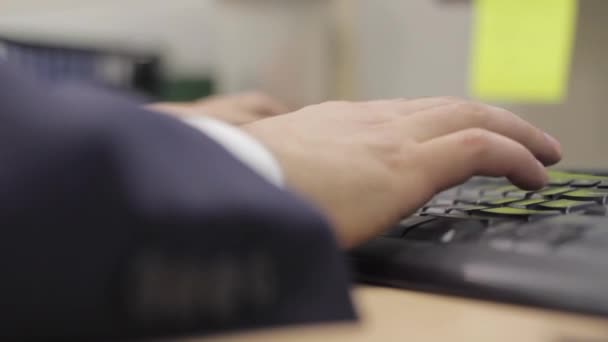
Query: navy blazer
x,y
123,223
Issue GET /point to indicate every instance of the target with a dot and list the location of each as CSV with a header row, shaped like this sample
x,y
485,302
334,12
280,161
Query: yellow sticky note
x,y
522,49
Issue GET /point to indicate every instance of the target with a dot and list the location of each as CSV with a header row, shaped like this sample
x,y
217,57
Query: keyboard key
x,y
448,194
585,183
498,201
447,230
431,232
471,200
559,181
492,193
557,178
498,191
395,232
552,192
527,203
435,210
452,214
565,205
579,176
489,181
598,195
518,212
413,221
561,175
465,208
407,224
441,201
522,194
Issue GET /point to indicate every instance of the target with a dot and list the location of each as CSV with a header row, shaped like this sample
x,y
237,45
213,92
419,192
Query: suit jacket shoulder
x,y
118,222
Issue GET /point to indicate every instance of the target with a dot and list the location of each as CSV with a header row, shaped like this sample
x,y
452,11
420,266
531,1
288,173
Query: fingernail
x,y
554,142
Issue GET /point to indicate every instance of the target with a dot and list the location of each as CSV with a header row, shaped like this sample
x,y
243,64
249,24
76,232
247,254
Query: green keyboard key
x,y
598,195
465,208
585,183
527,203
557,178
559,181
554,191
521,194
493,191
518,212
562,176
498,201
566,205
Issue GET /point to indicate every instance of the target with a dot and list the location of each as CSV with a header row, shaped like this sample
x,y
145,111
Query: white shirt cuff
x,y
242,146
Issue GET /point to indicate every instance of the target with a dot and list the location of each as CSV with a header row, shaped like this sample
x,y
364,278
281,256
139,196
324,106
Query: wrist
x,y
242,145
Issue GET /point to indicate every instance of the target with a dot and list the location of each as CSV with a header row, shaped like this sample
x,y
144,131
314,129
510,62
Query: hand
x,y
235,109
367,165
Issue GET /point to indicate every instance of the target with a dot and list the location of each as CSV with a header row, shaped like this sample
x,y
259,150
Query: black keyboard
x,y
488,239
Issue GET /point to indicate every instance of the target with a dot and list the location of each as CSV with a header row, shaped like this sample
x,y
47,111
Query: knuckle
x,y
477,140
392,149
336,103
379,104
476,113
423,171
256,97
384,106
521,150
332,106
454,99
254,94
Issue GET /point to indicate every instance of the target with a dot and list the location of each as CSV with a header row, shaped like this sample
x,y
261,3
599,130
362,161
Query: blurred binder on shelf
x,y
124,70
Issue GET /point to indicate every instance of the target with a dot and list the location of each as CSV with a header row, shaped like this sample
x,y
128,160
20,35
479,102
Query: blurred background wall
x,y
421,47
306,51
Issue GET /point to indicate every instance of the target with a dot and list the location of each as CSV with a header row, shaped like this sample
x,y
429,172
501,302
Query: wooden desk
x,y
397,315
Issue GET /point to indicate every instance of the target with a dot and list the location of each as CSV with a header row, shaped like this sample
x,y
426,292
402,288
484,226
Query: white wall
x,y
402,48
421,47
412,48
279,46
181,28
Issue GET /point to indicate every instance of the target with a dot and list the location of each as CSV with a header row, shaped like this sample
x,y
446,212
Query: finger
x,y
454,158
237,117
455,117
262,104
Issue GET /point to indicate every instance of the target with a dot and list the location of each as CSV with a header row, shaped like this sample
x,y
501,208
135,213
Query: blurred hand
x,y
237,109
367,165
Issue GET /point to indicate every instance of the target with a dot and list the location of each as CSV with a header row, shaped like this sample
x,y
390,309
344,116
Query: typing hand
x,y
369,164
237,109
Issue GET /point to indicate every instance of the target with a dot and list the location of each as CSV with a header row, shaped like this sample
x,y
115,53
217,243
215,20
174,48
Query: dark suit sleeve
x,y
121,223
